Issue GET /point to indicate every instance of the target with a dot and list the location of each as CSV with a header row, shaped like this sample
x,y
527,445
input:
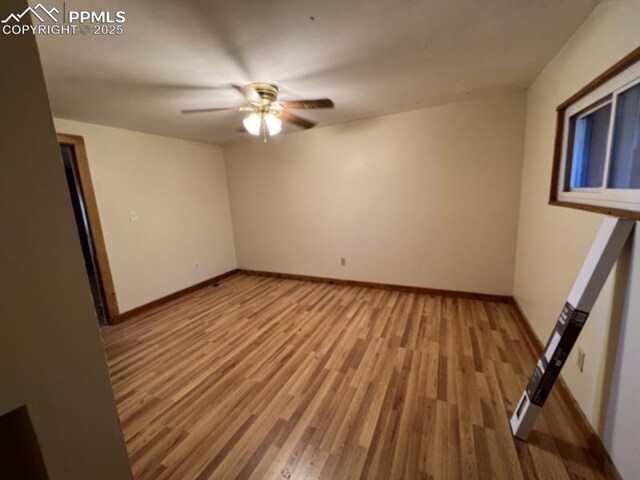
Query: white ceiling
x,y
372,57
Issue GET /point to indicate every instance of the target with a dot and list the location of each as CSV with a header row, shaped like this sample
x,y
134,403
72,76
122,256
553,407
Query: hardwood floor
x,y
267,378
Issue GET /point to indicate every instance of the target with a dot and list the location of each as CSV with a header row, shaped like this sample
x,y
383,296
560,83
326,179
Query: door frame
x,y
91,206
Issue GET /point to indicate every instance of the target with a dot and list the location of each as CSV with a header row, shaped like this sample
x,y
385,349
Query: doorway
x,y
85,211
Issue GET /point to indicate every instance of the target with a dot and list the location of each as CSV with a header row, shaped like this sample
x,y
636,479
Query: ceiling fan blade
x,y
309,104
248,92
238,88
205,110
296,120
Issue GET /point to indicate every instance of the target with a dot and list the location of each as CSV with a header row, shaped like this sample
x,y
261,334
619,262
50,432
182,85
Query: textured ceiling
x,y
371,57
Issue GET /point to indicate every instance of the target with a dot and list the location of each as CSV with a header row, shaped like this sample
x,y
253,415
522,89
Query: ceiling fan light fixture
x,y
273,123
265,112
252,123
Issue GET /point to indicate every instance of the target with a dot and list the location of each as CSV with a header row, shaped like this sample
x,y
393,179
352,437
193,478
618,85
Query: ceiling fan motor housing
x,y
267,92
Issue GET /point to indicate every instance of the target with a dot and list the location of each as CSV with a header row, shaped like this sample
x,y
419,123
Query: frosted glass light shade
x,y
253,123
274,124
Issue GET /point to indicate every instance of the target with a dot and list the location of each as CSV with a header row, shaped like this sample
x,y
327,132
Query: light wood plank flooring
x,y
268,378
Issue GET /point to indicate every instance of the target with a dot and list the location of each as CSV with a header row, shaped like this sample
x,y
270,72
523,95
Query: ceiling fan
x,y
266,112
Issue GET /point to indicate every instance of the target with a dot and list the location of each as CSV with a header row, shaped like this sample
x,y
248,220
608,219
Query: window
x,y
590,132
597,158
625,156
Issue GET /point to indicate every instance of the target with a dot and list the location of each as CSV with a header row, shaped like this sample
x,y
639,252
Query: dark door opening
x,y
84,231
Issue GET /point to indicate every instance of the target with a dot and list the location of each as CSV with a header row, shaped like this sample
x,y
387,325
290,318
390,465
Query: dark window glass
x,y
590,148
625,156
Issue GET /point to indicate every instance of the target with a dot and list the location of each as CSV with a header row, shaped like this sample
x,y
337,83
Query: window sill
x,y
601,209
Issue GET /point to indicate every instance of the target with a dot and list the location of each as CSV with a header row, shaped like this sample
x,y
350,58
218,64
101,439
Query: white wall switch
x,y
133,216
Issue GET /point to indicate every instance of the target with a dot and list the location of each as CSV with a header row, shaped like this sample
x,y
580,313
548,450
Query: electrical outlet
x,y
343,261
580,360
197,265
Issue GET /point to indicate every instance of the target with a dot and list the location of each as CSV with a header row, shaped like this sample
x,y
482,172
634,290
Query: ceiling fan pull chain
x,y
264,129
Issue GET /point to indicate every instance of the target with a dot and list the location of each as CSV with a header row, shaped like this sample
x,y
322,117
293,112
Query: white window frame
x,y
603,196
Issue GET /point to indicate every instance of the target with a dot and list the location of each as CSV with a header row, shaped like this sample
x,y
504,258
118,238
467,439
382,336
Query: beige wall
x,y
426,198
51,357
553,241
178,190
